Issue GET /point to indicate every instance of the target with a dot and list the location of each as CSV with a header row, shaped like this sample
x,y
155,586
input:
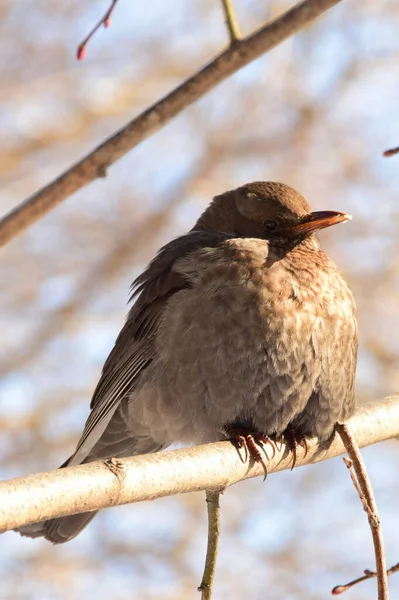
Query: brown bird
x,y
242,329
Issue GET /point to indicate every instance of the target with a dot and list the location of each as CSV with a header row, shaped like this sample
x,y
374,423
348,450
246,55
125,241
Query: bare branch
x,y
210,467
391,152
212,499
105,20
95,164
231,21
360,479
367,575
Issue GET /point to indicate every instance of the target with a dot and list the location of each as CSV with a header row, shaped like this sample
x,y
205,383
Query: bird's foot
x,y
251,443
294,439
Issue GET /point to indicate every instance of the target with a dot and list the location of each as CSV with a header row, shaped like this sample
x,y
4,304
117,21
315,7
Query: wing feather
x,y
135,346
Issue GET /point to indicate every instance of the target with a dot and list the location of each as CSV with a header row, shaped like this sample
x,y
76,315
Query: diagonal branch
x,y
391,152
338,589
216,466
105,20
95,164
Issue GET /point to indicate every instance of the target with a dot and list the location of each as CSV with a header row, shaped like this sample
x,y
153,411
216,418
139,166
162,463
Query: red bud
x,y
81,52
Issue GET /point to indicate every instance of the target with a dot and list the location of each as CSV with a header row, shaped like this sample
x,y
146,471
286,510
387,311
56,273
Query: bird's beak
x,y
320,220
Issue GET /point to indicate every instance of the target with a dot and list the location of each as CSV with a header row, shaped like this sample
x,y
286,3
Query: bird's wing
x,y
135,346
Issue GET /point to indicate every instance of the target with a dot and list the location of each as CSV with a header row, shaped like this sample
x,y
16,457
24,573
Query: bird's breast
x,y
247,332
242,302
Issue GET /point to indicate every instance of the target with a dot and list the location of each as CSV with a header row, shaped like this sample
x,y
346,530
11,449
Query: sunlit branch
x,y
361,481
210,467
95,164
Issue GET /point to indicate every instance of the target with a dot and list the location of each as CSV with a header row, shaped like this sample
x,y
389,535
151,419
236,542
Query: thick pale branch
x,y
95,164
209,467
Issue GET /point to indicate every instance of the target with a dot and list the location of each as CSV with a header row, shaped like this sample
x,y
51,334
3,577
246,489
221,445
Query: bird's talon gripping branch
x,y
262,440
251,443
259,443
304,445
293,450
295,439
279,442
292,444
239,442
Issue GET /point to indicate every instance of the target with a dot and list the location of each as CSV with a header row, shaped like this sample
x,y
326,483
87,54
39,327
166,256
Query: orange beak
x,y
320,220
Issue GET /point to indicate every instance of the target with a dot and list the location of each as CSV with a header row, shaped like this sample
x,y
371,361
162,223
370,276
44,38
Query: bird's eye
x,y
270,225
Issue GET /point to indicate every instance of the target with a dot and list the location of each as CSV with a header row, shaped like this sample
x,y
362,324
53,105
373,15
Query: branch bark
x,y
231,21
210,467
360,479
213,502
105,20
95,164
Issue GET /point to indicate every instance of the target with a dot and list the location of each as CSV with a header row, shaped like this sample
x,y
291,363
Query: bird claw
x,y
251,443
279,443
262,439
302,442
239,442
295,439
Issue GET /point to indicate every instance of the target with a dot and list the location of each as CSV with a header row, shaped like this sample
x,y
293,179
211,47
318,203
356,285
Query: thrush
x,y
242,329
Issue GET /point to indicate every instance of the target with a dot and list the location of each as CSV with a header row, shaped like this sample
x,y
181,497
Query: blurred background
x,y
315,113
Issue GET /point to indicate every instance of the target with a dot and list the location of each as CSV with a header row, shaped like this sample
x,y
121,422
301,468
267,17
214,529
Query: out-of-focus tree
x,y
315,113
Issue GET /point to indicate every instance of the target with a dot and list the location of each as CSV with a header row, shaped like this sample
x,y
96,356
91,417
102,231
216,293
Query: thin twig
x,y
231,21
367,575
391,151
212,499
359,476
373,518
95,164
105,20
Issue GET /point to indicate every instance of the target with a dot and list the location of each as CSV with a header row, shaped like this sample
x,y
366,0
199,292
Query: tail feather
x,y
58,531
116,441
61,530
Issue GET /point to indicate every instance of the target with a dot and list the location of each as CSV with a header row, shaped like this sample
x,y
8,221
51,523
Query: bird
x,y
242,329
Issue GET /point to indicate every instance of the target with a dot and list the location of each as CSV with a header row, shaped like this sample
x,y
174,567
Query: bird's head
x,y
266,210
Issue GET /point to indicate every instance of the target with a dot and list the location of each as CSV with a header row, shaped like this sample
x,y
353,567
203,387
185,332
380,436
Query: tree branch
x,y
105,20
358,473
210,467
391,152
339,589
212,499
95,164
231,21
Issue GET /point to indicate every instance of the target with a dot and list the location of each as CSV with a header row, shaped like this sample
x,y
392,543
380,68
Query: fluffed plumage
x,y
242,323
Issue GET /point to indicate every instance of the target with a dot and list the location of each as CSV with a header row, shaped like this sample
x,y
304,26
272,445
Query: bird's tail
x,y
58,530
118,442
